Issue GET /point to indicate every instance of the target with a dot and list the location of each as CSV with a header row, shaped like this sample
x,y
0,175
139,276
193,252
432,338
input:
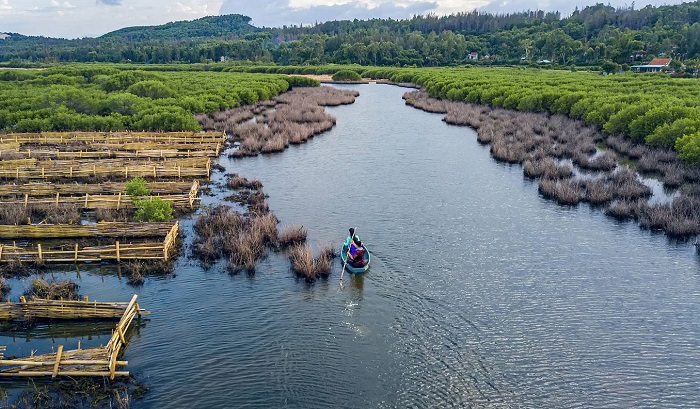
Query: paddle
x,y
347,256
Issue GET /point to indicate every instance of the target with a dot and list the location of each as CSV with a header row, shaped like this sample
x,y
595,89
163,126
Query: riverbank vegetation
x,y
576,163
241,236
106,98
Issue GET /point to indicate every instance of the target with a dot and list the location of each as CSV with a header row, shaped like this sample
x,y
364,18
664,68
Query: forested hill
x,y
594,36
228,26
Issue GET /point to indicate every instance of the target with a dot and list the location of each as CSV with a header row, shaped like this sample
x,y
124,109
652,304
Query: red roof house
x,y
655,65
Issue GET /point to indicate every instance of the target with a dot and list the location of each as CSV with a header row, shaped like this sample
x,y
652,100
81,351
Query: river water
x,y
480,293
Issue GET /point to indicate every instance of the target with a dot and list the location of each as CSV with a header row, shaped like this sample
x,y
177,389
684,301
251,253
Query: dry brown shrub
x,y
564,191
623,209
597,192
114,215
654,216
55,290
276,143
292,235
627,186
267,226
14,214
61,214
302,260
238,182
324,260
673,175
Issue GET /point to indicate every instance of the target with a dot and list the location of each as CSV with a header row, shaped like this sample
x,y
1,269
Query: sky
x,y
92,18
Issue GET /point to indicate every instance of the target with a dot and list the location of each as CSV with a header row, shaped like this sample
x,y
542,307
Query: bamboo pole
x,y
58,361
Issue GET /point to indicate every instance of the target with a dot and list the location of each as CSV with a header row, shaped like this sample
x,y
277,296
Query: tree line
x,y
593,36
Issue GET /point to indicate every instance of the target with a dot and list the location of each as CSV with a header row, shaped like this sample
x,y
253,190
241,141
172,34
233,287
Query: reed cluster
x,y
241,239
547,146
237,182
248,193
291,118
291,236
137,271
19,214
53,290
81,392
305,265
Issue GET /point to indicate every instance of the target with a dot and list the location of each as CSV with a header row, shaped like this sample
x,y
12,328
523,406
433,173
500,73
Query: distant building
x,y
473,55
655,65
4,36
544,62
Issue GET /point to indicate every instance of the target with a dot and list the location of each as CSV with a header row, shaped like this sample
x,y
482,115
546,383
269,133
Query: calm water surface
x,y
481,294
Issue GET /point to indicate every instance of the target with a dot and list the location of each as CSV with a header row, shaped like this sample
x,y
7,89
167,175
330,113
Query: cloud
x,y
276,13
110,2
188,7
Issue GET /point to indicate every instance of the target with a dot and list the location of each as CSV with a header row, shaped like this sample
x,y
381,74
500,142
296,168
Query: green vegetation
x,y
153,209
654,109
97,97
596,36
346,75
136,187
148,209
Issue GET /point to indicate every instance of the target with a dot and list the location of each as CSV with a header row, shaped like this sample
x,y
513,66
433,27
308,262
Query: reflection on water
x,y
480,294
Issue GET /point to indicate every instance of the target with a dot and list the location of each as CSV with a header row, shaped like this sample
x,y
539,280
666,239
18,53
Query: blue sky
x,y
91,18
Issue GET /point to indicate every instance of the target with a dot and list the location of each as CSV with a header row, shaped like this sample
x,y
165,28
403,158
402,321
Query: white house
x,y
655,65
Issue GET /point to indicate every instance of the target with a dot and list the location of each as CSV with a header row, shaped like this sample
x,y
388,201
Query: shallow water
x,y
480,293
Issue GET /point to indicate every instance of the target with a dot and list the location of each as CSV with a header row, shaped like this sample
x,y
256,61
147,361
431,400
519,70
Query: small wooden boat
x,y
349,267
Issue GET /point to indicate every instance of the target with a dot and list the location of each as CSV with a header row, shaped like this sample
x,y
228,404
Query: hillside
x,y
228,26
597,35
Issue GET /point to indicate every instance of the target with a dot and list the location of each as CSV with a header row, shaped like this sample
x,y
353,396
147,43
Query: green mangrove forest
x,y
105,98
656,110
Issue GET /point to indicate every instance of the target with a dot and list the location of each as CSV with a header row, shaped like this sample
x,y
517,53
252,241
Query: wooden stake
x,y
58,361
119,257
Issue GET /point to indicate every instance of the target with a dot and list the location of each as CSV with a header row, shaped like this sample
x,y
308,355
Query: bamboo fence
x,y
43,309
100,361
118,201
74,253
101,229
44,189
66,171
186,151
115,137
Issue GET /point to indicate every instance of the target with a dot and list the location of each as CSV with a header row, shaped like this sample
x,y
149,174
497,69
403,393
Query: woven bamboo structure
x,y
45,189
115,137
100,361
101,229
185,151
117,252
42,309
82,171
118,201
